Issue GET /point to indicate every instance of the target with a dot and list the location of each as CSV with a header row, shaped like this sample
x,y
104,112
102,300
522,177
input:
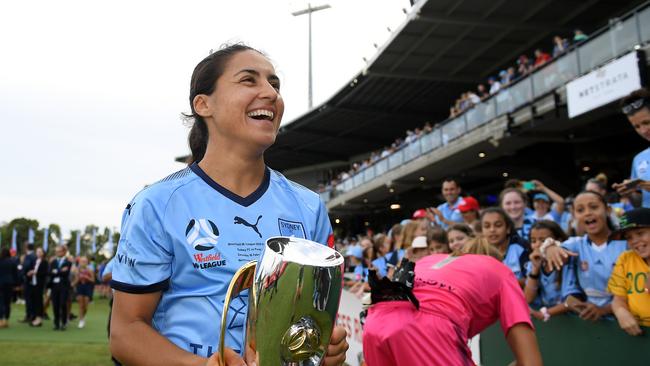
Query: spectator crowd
x,y
588,254
524,66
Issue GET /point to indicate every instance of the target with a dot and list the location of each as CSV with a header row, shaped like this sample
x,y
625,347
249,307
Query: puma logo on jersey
x,y
241,221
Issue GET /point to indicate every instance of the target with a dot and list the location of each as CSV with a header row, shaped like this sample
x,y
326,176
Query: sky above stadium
x,y
92,92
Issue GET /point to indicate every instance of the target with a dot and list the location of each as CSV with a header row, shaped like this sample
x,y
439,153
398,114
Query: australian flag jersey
x,y
187,235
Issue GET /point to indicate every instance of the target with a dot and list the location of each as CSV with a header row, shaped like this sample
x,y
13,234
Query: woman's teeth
x,y
261,114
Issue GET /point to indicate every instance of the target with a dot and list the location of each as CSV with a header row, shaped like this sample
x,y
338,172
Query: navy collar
x,y
243,201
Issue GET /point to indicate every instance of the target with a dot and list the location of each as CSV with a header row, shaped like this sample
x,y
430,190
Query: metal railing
x,y
619,37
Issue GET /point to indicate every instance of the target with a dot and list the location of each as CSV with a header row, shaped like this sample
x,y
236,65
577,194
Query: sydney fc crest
x,y
291,228
202,234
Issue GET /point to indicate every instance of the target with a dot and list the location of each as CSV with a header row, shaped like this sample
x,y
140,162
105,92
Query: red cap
x,y
468,204
420,214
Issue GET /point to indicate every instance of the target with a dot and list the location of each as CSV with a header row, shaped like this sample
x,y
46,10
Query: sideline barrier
x,y
348,318
568,340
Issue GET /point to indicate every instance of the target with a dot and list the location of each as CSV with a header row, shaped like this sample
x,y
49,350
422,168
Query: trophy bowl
x,y
295,289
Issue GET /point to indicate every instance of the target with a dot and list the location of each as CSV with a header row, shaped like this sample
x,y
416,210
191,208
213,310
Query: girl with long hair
x,y
500,232
590,258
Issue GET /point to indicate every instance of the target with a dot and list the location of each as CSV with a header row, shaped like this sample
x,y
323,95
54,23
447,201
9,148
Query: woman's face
x,y
494,228
39,253
385,246
83,262
421,230
513,205
246,105
590,213
541,206
457,239
537,237
469,216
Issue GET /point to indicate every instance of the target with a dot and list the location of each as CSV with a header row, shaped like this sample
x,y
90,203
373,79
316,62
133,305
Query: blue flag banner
x,y
94,242
78,244
30,236
46,234
13,239
109,244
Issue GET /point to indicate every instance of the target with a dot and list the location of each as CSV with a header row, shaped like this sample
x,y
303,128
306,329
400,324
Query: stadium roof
x,y
444,48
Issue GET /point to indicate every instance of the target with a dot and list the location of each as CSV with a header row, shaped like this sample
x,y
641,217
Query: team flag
x,y
109,244
78,244
30,236
94,242
46,234
13,239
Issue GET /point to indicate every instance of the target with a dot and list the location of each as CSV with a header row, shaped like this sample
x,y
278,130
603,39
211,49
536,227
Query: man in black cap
x,y
630,279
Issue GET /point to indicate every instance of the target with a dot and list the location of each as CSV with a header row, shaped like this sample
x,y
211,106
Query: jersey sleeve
x,y
513,308
618,284
515,260
323,229
570,284
571,244
633,174
143,258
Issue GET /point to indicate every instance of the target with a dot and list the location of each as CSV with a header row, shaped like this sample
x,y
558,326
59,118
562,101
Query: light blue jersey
x,y
549,292
360,273
591,269
381,264
641,170
516,258
450,212
187,235
524,230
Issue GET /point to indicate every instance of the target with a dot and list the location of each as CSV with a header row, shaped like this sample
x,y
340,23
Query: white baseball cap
x,y
419,242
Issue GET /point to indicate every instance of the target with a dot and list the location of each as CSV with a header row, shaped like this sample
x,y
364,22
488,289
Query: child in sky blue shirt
x,y
593,258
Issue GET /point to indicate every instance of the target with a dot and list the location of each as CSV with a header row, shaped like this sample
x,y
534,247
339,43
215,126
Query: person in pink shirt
x,y
459,296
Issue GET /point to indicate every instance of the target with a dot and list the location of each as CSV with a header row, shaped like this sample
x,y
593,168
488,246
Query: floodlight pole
x,y
308,11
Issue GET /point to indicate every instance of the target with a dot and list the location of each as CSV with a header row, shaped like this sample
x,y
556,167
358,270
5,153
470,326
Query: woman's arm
x,y
91,276
523,343
134,342
556,257
625,319
532,282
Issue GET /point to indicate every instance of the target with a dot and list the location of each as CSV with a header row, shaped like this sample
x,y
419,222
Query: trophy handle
x,y
242,280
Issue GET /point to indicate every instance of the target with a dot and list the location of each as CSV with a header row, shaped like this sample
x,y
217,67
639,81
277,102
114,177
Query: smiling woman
x,y
190,232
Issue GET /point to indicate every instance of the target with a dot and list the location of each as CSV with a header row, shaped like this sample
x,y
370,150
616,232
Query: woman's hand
x,y
591,312
627,322
338,346
433,213
537,314
536,260
556,257
539,185
231,357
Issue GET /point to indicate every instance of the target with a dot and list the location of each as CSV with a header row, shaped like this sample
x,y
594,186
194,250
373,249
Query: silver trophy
x,y
295,290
